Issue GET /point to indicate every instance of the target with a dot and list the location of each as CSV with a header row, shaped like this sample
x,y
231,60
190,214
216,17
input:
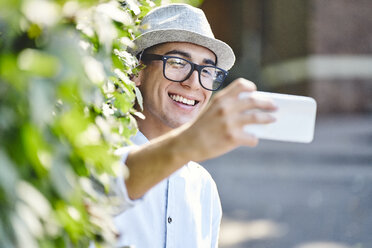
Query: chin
x,y
177,123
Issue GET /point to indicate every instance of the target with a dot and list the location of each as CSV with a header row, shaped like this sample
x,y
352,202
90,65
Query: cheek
x,y
153,91
148,82
207,95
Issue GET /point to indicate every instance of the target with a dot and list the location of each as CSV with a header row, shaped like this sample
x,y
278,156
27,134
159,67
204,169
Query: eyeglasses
x,y
177,69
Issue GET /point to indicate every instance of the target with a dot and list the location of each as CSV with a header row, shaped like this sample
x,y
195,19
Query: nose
x,y
193,81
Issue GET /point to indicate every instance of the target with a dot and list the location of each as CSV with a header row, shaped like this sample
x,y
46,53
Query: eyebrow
x,y
187,55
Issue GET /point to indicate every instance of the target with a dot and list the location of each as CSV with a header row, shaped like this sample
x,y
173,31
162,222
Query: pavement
x,y
291,195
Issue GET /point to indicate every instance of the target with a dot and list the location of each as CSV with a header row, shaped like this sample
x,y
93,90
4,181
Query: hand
x,y
219,128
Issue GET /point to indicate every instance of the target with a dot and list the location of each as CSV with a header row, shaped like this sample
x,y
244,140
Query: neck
x,y
152,130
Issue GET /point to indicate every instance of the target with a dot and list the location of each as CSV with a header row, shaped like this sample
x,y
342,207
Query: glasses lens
x,y
212,77
177,69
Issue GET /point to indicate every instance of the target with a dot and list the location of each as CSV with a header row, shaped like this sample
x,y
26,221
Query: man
x,y
170,201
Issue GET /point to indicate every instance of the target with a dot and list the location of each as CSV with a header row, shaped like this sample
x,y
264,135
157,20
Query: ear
x,y
136,78
138,75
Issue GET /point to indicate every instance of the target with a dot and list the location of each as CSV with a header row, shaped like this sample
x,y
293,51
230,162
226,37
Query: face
x,y
168,105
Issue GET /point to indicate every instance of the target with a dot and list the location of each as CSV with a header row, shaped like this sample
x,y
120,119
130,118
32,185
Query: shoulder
x,y
201,181
196,172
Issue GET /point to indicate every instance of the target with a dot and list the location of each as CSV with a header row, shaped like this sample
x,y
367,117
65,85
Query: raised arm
x,y
217,130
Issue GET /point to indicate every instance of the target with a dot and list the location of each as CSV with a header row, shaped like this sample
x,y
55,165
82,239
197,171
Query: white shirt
x,y
183,210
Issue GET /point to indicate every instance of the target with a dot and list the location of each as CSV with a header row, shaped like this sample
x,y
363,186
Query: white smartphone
x,y
295,118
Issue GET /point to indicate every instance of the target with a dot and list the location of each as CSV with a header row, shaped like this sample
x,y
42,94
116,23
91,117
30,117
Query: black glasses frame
x,y
194,67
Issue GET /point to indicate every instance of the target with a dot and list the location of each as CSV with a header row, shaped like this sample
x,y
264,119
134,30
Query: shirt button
x,y
169,220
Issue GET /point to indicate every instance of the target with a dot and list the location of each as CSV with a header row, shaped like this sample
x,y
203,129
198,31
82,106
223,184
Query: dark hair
x,y
147,50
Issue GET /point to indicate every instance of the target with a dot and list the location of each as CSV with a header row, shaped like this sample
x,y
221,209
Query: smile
x,y
181,99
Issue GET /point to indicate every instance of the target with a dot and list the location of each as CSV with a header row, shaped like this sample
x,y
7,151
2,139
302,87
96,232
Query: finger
x,y
256,117
228,96
239,85
257,102
232,108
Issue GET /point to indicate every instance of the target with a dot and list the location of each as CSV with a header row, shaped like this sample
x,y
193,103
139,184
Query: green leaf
x,y
38,63
10,72
35,148
94,70
34,31
73,123
122,102
98,156
195,3
139,97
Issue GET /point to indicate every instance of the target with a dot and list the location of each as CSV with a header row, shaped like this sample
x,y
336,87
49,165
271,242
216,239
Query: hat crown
x,y
177,16
181,23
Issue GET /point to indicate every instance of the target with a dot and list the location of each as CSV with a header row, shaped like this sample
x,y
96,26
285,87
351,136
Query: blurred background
x,y
288,195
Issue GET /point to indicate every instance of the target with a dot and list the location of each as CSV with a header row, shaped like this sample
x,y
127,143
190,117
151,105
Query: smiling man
x,y
169,200
168,104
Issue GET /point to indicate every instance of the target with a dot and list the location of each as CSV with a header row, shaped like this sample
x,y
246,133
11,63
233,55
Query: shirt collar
x,y
139,139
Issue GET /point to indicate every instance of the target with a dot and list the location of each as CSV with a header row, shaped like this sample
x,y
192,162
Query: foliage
x,y
66,105
195,3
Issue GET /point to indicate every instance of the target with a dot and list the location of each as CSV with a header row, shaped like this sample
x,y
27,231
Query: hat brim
x,y
224,53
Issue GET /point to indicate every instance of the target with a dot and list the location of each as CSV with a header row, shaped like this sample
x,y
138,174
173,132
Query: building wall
x,y
311,47
340,32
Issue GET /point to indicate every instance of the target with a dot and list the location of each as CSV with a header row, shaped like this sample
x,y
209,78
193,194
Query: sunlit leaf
x,y
31,221
122,102
98,156
91,136
125,79
112,10
139,97
38,63
73,123
126,58
42,12
23,235
84,22
139,115
191,2
94,70
105,29
70,8
34,199
33,143
71,225
134,6
126,42
144,11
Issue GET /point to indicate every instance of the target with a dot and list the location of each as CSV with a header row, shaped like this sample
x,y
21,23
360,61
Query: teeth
x,y
179,98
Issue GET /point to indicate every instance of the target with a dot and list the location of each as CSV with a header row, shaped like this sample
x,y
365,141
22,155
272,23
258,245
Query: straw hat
x,y
182,23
